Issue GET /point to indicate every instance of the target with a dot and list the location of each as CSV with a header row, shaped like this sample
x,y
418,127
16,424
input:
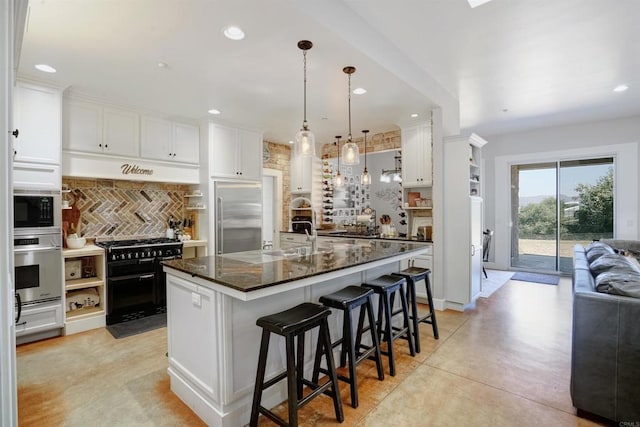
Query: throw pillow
x,y
596,249
609,262
619,283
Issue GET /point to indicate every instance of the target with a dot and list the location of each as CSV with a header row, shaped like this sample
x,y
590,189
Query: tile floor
x,y
505,363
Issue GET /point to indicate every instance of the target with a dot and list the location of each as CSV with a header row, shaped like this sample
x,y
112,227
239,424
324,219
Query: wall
x,y
280,159
125,209
619,137
377,142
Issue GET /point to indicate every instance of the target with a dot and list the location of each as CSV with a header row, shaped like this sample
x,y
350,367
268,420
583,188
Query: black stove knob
x,y
129,255
122,256
136,255
113,257
178,251
159,252
154,253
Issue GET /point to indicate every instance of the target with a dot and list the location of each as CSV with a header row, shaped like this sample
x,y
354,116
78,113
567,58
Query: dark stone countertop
x,y
346,235
253,270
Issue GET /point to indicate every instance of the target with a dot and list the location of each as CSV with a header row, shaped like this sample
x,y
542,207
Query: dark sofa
x,y
605,353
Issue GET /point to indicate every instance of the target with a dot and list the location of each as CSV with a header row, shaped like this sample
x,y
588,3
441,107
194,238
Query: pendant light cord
x,y
304,122
349,107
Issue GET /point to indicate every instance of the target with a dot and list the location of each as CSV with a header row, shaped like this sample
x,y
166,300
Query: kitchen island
x,y
213,303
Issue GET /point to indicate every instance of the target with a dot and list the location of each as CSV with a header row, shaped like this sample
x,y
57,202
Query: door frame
x,y
625,191
277,215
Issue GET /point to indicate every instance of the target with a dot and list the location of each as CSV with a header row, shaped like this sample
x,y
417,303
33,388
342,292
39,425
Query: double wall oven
x,y
37,247
136,284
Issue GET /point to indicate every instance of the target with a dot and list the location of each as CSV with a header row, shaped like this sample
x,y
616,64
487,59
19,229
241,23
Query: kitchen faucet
x,y
313,237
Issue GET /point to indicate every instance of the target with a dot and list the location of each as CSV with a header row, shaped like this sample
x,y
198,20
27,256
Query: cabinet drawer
x,y
36,176
39,319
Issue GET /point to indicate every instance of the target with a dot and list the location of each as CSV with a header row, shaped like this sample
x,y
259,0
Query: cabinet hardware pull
x,y
15,133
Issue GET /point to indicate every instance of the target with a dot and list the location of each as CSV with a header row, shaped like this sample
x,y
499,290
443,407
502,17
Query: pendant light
x,y
338,180
365,178
350,150
305,143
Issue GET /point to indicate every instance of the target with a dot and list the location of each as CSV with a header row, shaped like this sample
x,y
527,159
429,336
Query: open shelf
x,y
88,282
82,313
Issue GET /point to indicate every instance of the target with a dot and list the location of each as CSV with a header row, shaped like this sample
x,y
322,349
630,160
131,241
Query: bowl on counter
x,y
76,242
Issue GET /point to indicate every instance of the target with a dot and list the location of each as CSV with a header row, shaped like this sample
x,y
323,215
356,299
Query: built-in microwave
x,y
33,211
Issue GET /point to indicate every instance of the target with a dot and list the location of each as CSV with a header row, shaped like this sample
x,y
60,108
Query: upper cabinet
x,y
37,116
416,156
234,153
305,174
169,141
94,128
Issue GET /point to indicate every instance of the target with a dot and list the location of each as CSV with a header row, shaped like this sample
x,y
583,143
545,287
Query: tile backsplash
x,y
114,209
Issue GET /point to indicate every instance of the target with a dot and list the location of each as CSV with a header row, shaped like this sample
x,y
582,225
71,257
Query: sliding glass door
x,y
556,205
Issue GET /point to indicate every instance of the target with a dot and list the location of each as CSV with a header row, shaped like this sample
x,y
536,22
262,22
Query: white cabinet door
x,y
250,155
39,319
186,143
156,138
301,174
416,156
121,132
223,151
82,126
476,247
38,117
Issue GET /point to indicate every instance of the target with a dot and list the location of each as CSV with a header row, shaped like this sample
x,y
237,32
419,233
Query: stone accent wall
x,y
280,159
383,141
113,209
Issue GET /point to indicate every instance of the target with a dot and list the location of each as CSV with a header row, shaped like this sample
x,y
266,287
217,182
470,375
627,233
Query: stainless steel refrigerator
x,y
238,216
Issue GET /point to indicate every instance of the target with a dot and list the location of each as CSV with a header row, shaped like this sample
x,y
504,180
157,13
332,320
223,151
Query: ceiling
x,y
510,65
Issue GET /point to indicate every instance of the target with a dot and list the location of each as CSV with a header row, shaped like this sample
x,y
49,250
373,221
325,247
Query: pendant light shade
x,y
365,178
305,142
338,180
350,150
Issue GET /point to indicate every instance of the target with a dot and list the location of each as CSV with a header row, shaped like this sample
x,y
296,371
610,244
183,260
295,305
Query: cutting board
x,y
70,222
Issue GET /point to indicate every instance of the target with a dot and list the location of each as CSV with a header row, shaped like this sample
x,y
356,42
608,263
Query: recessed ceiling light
x,y
234,33
290,142
359,91
476,3
46,68
504,110
414,115
620,88
163,65
214,111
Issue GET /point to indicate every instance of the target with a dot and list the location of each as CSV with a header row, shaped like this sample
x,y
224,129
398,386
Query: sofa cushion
x,y
608,262
619,283
596,249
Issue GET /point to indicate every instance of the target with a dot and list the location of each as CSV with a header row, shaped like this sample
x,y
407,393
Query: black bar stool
x,y
413,275
386,287
291,324
347,300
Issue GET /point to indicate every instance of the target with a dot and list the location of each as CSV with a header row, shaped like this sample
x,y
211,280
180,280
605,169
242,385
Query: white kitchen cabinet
x,y
234,153
121,133
94,128
463,223
305,174
290,240
416,156
170,141
41,318
38,118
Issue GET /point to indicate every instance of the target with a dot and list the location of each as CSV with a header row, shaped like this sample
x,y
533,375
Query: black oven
x,y
132,290
36,211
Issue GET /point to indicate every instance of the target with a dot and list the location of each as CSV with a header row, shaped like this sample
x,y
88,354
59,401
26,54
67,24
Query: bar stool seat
x,y
348,299
292,325
414,275
386,287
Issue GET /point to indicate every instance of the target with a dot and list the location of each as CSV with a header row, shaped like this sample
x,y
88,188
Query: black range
x,y
136,284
